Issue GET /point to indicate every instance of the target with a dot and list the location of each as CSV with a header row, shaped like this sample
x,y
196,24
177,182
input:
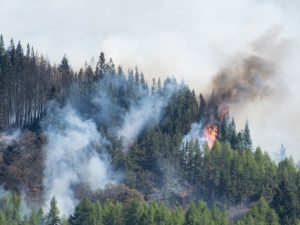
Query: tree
x,y
134,213
36,217
261,213
65,71
52,218
247,137
3,218
84,214
202,107
101,67
113,214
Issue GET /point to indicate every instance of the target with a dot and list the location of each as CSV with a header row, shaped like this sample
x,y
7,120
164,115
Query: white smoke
x,y
9,137
146,114
75,153
195,134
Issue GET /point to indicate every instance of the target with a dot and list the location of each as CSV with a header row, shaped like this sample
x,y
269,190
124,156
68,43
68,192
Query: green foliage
x,y
52,218
232,172
86,214
260,214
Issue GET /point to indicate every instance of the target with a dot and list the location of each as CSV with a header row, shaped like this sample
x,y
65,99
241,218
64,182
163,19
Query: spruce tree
x,y
100,67
52,218
246,136
202,107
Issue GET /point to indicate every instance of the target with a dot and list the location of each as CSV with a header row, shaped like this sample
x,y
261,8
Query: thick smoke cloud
x,y
251,76
75,153
191,43
245,82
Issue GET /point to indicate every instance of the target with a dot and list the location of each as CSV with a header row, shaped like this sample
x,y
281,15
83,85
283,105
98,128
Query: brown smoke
x,y
250,77
245,81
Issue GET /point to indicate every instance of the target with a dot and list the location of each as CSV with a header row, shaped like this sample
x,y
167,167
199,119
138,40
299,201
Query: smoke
x,y
9,137
195,133
245,82
75,153
144,115
76,150
251,76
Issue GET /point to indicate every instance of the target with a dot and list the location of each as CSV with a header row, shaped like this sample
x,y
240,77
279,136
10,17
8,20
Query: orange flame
x,y
223,109
184,194
211,133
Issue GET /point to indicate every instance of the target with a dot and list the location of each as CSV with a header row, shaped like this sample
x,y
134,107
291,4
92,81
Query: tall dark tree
x,y
247,137
52,218
101,67
202,107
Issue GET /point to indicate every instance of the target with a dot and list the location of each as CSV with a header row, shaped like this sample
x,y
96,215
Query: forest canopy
x,y
136,152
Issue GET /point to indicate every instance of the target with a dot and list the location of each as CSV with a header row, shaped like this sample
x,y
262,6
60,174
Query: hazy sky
x,y
189,39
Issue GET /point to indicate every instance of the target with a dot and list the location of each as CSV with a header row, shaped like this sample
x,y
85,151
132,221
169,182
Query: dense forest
x,y
160,172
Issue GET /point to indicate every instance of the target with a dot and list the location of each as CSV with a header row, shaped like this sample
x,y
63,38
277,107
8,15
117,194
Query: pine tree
x,y
153,87
247,137
111,70
202,108
101,67
3,220
137,76
233,135
134,213
159,88
64,70
142,81
84,214
52,218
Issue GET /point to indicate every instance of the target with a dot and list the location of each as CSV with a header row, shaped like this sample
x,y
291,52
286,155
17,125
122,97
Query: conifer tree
x,y
202,107
52,218
100,67
247,137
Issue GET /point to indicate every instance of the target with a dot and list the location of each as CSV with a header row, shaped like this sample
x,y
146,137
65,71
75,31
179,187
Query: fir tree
x,y
52,218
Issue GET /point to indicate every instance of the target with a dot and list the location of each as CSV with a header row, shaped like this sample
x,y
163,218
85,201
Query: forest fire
x,y
223,109
211,133
184,194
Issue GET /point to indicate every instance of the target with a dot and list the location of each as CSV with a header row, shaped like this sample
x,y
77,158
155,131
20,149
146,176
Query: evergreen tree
x,y
52,218
247,137
137,76
84,214
100,67
260,213
3,218
202,107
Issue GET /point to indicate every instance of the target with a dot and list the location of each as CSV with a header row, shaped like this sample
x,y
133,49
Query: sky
x,y
190,40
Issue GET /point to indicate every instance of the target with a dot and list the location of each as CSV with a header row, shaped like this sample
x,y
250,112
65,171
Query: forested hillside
x,y
108,147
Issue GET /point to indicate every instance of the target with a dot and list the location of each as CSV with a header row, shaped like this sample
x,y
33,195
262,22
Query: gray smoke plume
x,y
250,76
144,115
147,113
195,133
74,154
245,81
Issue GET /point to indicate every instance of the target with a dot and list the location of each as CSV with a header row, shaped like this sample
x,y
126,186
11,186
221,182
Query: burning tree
x,y
217,124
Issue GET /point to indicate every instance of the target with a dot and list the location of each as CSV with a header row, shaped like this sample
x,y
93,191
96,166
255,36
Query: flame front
x,y
211,133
